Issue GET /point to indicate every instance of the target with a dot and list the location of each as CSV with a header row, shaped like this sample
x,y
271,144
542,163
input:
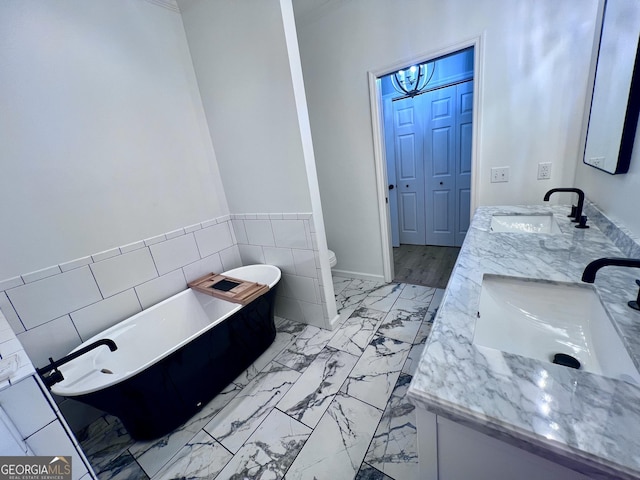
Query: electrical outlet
x,y
499,174
544,171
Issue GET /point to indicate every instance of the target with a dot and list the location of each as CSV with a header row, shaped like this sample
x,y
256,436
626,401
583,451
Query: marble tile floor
x,y
317,404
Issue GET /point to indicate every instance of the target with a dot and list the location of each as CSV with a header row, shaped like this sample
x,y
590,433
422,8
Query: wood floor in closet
x,y
425,265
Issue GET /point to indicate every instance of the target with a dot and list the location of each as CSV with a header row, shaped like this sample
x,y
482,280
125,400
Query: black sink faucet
x,y
54,375
577,213
589,274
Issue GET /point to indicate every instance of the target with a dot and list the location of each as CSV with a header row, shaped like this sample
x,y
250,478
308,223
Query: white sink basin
x,y
543,223
538,319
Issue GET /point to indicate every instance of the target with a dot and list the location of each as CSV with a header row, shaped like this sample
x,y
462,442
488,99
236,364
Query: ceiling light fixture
x,y
413,80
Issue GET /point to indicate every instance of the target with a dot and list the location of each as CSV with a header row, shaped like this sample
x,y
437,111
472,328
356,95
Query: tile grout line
x,y
332,400
226,449
376,333
252,433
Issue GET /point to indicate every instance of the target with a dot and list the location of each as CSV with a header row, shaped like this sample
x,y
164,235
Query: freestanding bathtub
x,y
173,357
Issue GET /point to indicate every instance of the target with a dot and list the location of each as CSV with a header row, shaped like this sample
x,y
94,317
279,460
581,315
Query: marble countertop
x,y
584,421
11,350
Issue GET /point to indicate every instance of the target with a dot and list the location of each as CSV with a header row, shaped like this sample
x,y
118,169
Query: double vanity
x,y
529,372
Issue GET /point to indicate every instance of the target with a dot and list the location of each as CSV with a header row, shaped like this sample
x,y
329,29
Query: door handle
x,y
441,183
391,187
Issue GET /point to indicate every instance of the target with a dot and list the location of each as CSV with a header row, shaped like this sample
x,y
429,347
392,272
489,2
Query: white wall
x,y
536,58
245,59
240,58
617,196
103,138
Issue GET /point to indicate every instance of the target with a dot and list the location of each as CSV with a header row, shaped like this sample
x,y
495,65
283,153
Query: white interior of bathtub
x,y
153,334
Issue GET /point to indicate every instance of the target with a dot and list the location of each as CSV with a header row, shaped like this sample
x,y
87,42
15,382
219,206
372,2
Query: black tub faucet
x,y
576,211
589,274
54,375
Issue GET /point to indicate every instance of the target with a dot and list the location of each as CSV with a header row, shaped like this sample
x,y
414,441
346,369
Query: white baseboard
x,y
334,323
358,275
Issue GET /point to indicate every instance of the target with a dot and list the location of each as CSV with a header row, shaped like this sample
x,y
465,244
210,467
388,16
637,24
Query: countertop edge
x,y
560,452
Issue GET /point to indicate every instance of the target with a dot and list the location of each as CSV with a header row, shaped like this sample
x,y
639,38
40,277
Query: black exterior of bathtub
x,y
161,398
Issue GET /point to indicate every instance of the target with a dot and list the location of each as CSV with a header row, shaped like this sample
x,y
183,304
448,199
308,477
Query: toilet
x,y
332,259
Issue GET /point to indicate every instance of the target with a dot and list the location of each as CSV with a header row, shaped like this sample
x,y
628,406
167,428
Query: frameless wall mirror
x,y
615,103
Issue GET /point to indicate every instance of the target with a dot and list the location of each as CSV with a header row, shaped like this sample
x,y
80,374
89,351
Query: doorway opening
x,y
425,146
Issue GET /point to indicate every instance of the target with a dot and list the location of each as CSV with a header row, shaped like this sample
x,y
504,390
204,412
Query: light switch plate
x,y
499,174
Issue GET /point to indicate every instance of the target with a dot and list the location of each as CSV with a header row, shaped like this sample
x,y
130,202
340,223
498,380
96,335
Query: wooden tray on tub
x,y
228,288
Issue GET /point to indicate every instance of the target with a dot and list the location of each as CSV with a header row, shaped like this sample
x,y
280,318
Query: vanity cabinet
x,y
488,412
450,451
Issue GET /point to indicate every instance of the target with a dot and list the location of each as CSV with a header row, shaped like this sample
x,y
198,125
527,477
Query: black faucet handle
x,y
574,209
52,378
56,376
635,304
582,222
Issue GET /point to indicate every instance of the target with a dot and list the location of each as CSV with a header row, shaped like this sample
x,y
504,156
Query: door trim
x,y
377,122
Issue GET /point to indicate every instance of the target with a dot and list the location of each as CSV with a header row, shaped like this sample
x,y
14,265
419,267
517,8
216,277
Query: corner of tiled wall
x,y
288,241
55,309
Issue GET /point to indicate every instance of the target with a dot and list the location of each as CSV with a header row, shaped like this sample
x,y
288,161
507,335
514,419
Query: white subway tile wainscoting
x,y
287,241
55,309
313,405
